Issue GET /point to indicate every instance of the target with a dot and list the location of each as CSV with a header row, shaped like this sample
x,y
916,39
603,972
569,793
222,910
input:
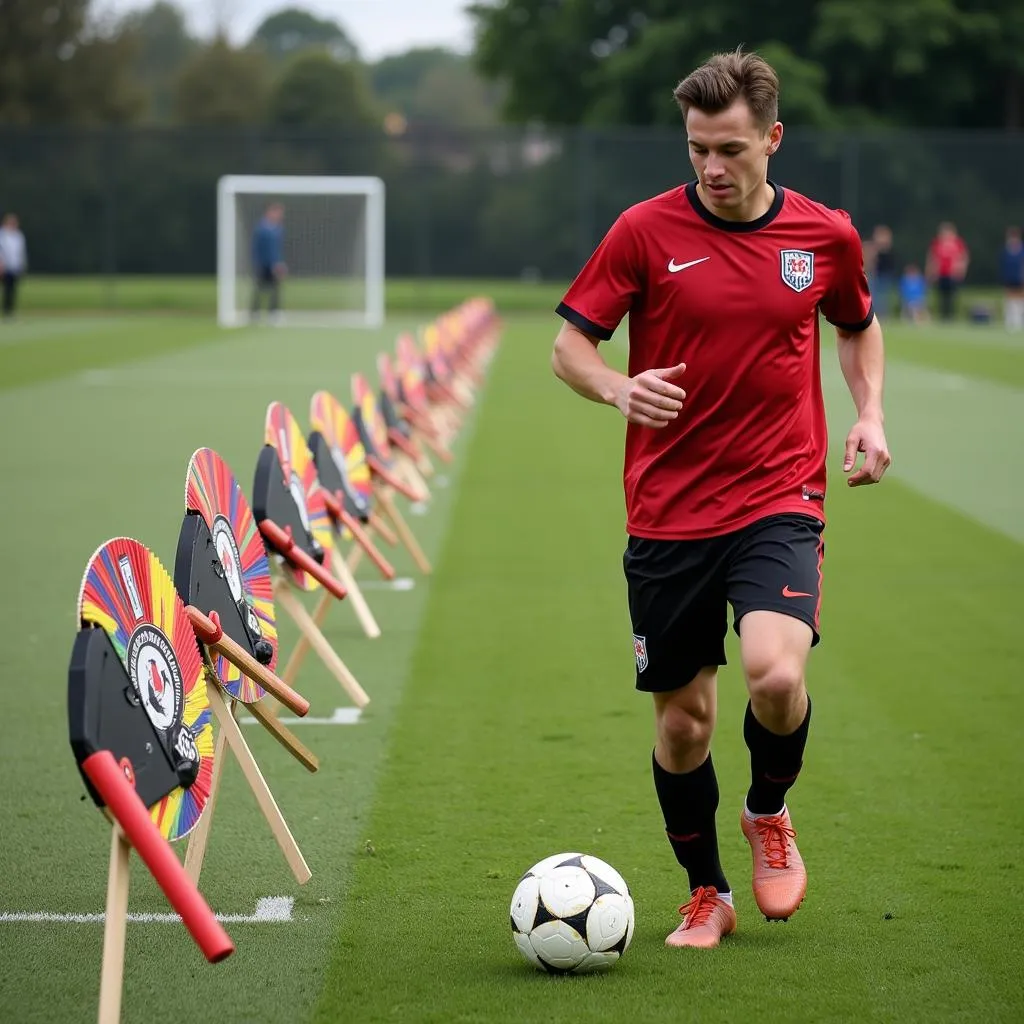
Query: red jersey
x,y
948,256
738,303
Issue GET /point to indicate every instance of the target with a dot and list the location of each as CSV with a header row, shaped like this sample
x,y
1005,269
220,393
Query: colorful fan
x,y
329,418
434,353
389,379
376,430
412,373
285,436
409,424
127,593
212,490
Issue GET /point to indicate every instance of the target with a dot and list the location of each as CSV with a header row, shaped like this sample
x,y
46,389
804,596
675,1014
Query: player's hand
x,y
650,399
281,270
866,436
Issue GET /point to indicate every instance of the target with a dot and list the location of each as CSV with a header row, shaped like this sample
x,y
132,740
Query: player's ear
x,y
774,137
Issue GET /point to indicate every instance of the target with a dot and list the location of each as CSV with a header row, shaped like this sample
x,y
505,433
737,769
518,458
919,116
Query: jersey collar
x,y
736,225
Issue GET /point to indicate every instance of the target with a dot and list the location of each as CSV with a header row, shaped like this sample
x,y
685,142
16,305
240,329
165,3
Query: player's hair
x,y
726,77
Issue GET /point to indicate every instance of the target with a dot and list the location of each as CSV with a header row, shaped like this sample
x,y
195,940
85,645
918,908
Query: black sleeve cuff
x,y
856,328
580,321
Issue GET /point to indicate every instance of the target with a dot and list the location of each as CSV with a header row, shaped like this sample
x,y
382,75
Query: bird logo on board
x,y
153,669
227,553
640,650
797,268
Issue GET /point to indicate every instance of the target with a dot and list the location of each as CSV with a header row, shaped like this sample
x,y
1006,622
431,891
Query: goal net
x,y
300,250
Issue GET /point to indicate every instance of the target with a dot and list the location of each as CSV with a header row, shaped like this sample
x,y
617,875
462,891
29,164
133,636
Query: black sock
x,y
775,762
688,802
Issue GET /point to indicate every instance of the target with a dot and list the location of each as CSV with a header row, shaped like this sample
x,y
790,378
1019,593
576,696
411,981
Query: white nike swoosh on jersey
x,y
674,268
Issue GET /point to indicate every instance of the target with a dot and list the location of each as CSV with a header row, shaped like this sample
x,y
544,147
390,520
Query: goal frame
x,y
231,185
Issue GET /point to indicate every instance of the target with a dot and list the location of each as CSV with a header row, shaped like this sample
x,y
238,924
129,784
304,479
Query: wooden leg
x,y
410,475
402,528
355,595
284,736
423,463
286,597
114,928
301,649
355,556
431,442
197,840
253,775
386,533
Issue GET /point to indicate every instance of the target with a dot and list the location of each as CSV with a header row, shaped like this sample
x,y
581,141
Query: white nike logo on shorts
x,y
674,268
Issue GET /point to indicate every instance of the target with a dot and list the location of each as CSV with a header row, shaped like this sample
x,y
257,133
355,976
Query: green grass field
x,y
503,725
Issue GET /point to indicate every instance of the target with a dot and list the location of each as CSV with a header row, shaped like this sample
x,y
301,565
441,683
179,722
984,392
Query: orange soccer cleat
x,y
780,878
706,918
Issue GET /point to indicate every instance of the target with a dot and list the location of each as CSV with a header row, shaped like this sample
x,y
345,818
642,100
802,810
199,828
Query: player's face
x,y
730,154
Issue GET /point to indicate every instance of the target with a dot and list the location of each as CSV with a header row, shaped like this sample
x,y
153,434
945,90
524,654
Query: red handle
x,y
386,568
400,441
379,469
446,394
420,421
131,814
209,629
334,502
284,544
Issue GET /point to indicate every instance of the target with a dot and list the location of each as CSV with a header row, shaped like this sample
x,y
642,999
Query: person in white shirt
x,y
13,261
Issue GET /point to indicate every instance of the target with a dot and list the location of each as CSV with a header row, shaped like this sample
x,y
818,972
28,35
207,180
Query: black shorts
x,y
679,591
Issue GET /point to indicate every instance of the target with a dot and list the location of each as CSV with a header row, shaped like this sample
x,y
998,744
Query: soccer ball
x,y
572,914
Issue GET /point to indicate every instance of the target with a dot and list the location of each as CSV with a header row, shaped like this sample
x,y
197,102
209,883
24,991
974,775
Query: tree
x,y
435,85
60,66
163,45
315,89
221,85
292,30
924,63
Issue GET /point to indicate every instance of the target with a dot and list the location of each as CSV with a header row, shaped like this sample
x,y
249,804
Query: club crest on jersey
x,y
797,268
640,650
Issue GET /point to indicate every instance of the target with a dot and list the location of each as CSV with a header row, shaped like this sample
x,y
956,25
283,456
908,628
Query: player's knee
x,y
777,681
685,729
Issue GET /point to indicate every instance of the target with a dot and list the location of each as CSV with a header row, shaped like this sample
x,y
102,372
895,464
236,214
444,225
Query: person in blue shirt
x,y
913,294
268,267
1011,274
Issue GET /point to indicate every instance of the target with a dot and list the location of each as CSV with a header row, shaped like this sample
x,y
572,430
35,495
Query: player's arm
x,y
602,294
650,399
862,359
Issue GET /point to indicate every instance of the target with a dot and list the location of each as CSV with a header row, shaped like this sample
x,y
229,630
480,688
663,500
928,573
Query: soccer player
x,y
13,262
723,279
267,265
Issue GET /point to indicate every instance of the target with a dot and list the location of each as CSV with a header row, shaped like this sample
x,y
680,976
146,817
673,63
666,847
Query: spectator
x,y
1011,275
913,294
13,262
946,268
267,266
882,270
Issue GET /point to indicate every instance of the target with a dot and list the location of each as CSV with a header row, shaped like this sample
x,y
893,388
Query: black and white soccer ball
x,y
572,914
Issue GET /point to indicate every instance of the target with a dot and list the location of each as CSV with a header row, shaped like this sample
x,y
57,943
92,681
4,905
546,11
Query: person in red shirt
x,y
946,267
723,280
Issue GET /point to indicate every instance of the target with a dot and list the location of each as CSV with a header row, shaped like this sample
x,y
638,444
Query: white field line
x,y
398,583
341,716
269,910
